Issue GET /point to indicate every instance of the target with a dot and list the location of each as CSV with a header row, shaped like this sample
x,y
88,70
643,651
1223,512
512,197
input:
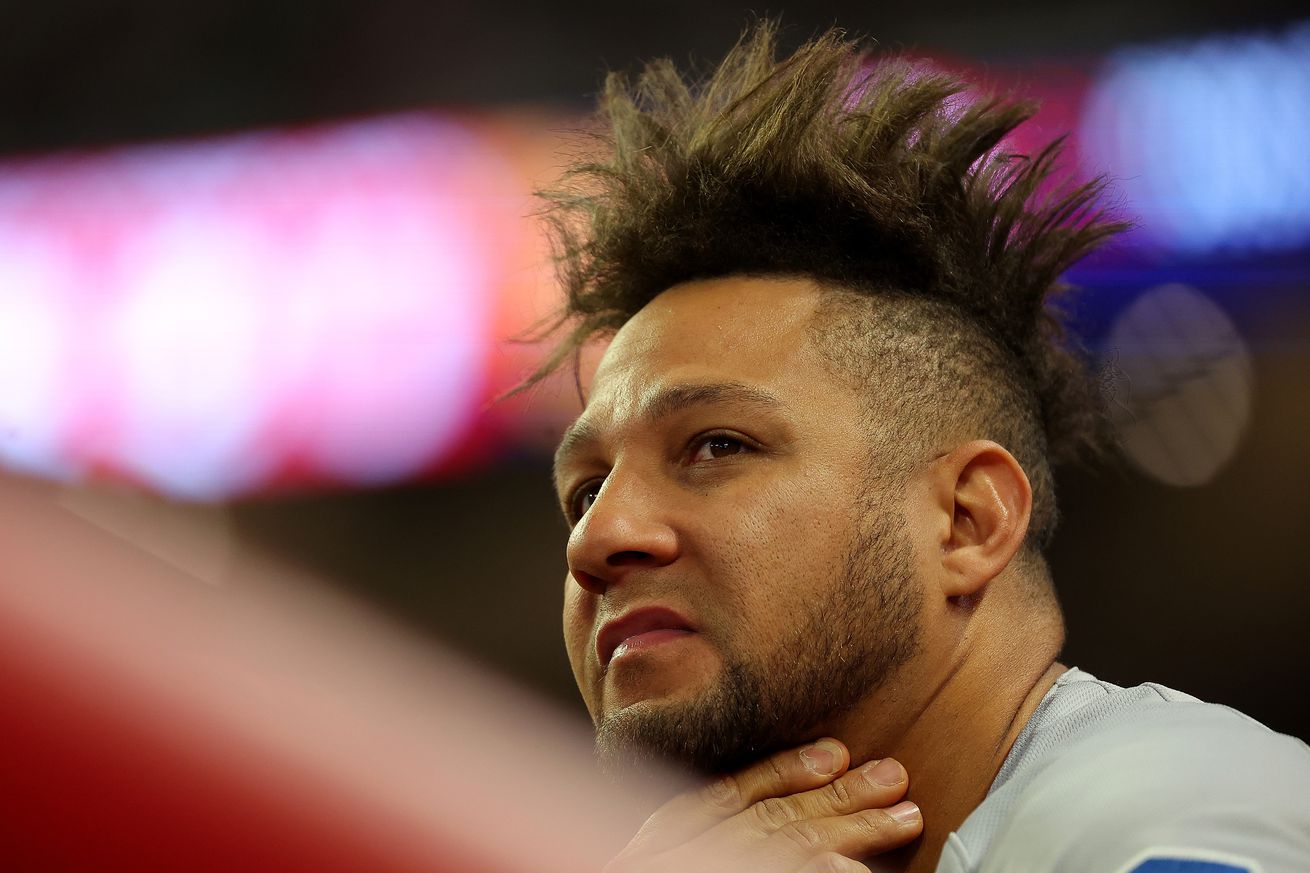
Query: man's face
x,y
739,574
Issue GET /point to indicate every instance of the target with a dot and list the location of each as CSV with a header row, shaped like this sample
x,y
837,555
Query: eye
x,y
718,445
581,499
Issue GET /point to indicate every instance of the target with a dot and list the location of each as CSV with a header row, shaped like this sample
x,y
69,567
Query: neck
x,y
953,744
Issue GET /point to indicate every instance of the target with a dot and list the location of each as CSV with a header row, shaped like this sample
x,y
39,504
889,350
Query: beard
x,y
843,646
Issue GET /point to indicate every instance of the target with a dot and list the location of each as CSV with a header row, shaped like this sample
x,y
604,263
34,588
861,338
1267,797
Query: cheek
x,y
783,548
579,615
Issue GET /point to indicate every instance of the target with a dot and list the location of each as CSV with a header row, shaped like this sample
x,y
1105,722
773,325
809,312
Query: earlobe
x,y
991,505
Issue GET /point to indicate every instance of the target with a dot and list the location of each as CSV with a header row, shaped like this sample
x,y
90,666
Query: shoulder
x,y
1169,784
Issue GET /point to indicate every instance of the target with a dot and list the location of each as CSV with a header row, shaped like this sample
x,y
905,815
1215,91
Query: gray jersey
x,y
1106,779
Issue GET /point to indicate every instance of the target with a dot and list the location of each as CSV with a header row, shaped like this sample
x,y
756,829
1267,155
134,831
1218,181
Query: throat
x,y
953,751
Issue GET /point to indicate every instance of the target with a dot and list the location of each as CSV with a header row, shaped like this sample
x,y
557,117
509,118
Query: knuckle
x,y
722,793
839,794
803,834
779,773
875,823
773,813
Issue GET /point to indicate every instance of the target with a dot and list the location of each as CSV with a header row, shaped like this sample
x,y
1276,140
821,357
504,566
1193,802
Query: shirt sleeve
x,y
1188,788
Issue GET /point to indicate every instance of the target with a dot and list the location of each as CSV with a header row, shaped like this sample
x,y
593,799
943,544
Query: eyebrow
x,y
667,401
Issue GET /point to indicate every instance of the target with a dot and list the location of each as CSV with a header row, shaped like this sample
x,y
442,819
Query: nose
x,y
626,529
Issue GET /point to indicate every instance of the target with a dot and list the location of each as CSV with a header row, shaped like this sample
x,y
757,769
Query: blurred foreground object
x,y
155,721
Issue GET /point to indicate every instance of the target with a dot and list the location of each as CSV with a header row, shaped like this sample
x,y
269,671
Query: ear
x,y
984,501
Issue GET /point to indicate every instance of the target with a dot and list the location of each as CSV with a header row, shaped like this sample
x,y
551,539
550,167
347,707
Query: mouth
x,y
640,629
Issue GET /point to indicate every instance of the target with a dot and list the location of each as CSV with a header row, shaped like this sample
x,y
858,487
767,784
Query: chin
x,y
650,697
667,676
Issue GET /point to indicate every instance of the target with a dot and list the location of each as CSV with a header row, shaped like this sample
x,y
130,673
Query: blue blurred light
x,y
1209,141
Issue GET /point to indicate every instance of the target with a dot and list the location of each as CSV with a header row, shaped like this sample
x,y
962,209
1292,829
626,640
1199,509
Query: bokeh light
x,y
1182,384
202,317
1207,140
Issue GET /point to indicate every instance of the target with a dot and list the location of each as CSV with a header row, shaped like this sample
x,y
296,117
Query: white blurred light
x,y
1208,141
34,353
187,346
385,312
249,304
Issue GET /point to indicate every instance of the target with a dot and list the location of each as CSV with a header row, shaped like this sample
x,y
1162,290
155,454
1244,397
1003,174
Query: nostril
x,y
588,582
619,559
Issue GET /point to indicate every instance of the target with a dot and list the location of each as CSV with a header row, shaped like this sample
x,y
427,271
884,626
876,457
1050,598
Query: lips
x,y
636,623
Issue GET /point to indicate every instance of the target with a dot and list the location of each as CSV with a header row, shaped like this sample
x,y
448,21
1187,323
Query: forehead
x,y
745,330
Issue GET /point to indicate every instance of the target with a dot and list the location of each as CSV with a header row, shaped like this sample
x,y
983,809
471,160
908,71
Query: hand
x,y
799,810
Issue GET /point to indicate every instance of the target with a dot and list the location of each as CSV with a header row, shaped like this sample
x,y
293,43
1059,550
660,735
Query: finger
x,y
831,862
858,835
789,772
875,785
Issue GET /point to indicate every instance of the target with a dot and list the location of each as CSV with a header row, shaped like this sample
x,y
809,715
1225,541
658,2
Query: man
x,y
811,488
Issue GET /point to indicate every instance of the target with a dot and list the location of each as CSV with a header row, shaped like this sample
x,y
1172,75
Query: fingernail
x,y
821,758
885,772
905,811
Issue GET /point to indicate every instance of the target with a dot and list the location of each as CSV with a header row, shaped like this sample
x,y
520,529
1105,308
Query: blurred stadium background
x,y
259,263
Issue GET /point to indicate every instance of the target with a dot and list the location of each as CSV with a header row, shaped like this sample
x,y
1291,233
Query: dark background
x,y
1203,589
81,71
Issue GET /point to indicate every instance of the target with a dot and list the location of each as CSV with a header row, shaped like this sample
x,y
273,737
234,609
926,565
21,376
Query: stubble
x,y
843,646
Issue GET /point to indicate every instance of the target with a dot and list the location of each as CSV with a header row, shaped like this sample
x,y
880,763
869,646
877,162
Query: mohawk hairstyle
x,y
875,178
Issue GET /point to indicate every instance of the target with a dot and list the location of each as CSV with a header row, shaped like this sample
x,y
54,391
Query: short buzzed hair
x,y
881,180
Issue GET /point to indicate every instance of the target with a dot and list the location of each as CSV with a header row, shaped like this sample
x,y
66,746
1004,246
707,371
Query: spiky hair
x,y
881,179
